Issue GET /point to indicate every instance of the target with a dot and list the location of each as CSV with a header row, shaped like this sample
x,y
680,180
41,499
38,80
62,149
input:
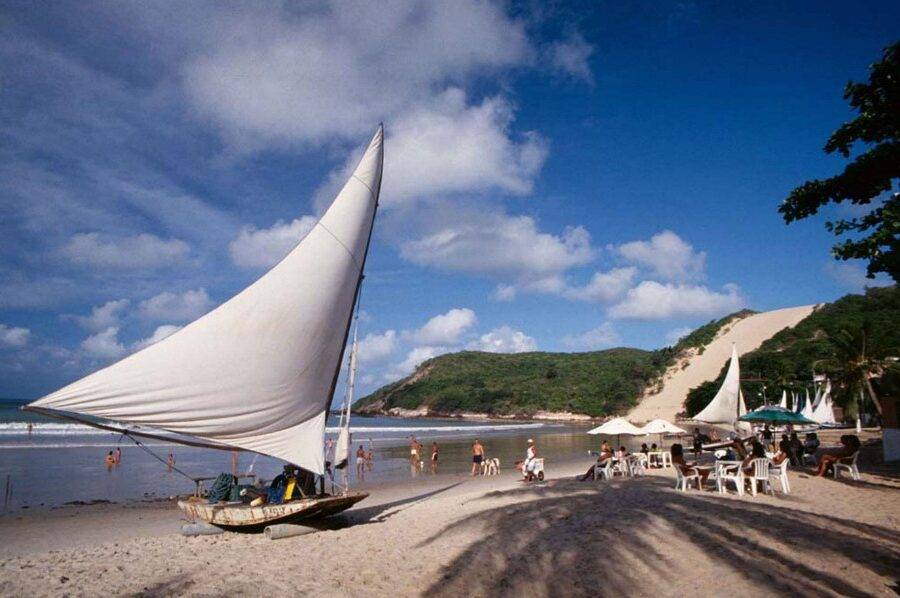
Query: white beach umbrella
x,y
661,426
616,427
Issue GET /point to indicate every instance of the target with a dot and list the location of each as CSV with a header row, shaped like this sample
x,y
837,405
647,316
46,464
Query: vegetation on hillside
x,y
788,359
597,383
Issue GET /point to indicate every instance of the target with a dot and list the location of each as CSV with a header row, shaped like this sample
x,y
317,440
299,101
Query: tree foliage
x,y
868,177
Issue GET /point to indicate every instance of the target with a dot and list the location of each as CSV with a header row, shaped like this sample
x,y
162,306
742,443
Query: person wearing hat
x,y
528,465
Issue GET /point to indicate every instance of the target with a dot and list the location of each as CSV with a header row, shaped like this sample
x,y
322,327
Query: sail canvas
x,y
258,372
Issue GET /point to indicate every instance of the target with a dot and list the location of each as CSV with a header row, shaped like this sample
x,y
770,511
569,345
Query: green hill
x,y
786,360
597,383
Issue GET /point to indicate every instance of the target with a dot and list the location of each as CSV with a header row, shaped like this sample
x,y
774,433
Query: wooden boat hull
x,y
241,517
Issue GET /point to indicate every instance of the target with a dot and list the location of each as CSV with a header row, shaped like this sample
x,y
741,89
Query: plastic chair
x,y
603,471
730,473
622,468
779,472
638,464
682,479
850,467
760,476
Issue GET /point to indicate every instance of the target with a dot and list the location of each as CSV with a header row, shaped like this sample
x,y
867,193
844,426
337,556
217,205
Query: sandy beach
x,y
451,534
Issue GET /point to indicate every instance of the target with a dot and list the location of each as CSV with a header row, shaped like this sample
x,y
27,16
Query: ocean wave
x,y
44,429
420,429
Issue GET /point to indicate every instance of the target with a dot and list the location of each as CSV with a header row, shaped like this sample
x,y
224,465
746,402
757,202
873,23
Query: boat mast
x,y
337,370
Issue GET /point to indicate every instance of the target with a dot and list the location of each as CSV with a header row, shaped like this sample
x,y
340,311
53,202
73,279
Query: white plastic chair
x,y
682,479
638,464
730,473
622,468
603,471
850,467
760,476
779,472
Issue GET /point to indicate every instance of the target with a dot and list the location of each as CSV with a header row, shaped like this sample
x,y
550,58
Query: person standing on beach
x,y
170,462
361,463
30,426
110,461
118,455
477,457
414,452
434,457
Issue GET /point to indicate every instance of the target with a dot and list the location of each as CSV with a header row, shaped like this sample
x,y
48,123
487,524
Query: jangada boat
x,y
257,373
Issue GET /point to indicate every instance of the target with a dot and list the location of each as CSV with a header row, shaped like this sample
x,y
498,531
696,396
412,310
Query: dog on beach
x,y
490,466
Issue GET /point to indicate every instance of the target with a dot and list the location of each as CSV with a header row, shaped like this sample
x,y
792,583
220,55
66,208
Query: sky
x,y
558,176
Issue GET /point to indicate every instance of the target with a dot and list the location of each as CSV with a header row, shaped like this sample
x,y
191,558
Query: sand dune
x,y
749,333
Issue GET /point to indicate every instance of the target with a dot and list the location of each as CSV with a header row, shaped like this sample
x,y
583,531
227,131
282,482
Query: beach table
x,y
722,464
664,457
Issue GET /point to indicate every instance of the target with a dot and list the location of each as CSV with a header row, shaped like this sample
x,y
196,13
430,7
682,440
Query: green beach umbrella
x,y
773,414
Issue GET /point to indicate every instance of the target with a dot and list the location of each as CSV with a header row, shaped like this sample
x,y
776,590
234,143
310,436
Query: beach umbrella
x,y
773,414
616,427
661,426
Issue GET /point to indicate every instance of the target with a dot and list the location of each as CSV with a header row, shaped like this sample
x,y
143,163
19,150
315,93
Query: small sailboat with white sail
x,y
728,404
257,373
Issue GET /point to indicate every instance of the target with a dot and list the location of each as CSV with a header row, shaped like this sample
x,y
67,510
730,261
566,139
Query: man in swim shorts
x,y
477,457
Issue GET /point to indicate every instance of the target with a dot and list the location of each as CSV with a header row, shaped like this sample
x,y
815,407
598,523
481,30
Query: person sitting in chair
x,y
849,447
757,451
606,453
687,468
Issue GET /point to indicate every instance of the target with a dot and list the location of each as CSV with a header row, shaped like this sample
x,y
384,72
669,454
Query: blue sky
x,y
557,177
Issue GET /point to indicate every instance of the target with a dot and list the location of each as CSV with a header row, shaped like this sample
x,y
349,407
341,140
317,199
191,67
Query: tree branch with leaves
x,y
868,178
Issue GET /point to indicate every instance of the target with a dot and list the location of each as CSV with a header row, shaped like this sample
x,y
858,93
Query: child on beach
x,y
361,464
434,457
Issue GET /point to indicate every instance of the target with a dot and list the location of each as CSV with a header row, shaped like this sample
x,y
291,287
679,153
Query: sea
x,y
47,463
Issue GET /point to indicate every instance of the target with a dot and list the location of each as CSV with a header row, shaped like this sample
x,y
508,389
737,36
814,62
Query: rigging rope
x,y
157,457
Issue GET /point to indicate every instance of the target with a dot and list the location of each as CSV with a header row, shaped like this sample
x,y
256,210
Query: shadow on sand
x,y
569,538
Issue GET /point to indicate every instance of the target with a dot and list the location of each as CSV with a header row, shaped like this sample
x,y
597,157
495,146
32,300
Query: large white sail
x,y
259,371
723,409
823,413
807,410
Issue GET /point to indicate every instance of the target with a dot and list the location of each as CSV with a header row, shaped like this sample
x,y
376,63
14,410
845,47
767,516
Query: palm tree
x,y
854,363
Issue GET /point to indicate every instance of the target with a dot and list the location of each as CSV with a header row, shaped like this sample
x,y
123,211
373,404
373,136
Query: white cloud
x,y
504,340
103,316
314,72
597,338
852,275
571,56
603,286
104,345
126,253
676,334
173,307
159,334
445,328
415,357
652,300
451,147
376,347
667,256
14,336
497,244
261,248
504,292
